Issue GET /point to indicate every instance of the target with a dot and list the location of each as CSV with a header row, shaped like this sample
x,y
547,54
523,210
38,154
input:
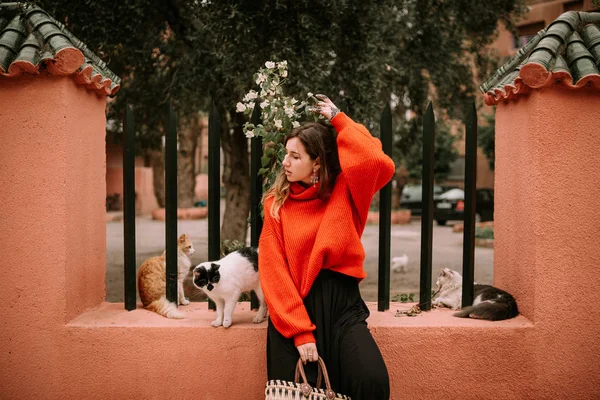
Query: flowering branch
x,y
279,115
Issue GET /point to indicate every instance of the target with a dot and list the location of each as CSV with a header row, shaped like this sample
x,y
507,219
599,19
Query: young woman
x,y
311,257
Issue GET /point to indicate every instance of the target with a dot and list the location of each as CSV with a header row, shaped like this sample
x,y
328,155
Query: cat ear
x,y
214,267
181,238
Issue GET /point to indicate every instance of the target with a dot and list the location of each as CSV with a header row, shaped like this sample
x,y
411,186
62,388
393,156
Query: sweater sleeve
x,y
286,307
365,166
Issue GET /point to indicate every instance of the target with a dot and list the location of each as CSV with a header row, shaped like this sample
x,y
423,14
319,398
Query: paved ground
x,y
447,252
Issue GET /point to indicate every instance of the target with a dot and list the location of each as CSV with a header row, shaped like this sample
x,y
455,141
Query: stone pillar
x,y
52,179
547,229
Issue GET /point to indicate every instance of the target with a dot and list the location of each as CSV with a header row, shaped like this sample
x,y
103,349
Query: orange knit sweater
x,y
311,234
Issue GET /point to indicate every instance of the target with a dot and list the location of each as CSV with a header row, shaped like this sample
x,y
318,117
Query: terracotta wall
x,y
52,233
546,230
60,340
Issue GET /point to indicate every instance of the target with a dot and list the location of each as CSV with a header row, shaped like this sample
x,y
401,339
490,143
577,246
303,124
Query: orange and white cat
x,y
152,280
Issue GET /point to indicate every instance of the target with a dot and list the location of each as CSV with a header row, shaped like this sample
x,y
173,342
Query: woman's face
x,y
297,163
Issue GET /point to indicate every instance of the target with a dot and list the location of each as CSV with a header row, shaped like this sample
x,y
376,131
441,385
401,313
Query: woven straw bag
x,y
284,390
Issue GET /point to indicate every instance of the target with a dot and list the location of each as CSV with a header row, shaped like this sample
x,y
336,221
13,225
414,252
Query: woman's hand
x,y
326,107
308,352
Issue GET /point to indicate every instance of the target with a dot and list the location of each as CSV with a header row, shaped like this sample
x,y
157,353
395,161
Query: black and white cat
x,y
225,280
489,302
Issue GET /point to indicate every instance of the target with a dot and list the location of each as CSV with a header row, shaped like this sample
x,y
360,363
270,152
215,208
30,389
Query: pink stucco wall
x,y
52,233
547,224
60,340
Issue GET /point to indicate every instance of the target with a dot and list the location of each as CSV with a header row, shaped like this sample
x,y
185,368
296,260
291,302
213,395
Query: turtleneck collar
x,y
299,192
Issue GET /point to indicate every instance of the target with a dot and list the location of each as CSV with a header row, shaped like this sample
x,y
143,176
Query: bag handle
x,y
305,387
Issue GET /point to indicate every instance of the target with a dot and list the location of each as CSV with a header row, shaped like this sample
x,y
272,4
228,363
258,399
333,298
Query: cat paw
x,y
184,302
227,323
216,323
258,319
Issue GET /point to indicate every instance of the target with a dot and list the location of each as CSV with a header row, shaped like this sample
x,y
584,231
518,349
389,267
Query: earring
x,y
314,178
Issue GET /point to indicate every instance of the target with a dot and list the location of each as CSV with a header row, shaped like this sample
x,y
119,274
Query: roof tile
x,y
566,52
32,41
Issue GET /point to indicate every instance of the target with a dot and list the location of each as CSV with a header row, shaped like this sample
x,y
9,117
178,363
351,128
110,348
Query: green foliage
x,y
485,232
359,53
486,138
408,148
404,298
362,54
229,246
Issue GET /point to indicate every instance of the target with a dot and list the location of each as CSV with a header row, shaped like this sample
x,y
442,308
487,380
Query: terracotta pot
x,y
182,213
399,217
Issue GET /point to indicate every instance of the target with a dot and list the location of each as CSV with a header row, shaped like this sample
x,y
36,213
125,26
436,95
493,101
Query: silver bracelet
x,y
334,112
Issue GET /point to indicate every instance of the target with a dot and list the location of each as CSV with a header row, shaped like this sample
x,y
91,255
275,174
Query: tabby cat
x,y
152,280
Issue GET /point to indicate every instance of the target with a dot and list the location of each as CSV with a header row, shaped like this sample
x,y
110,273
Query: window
x,y
576,5
527,32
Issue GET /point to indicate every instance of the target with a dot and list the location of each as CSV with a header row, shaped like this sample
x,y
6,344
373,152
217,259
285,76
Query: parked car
x,y
411,197
450,206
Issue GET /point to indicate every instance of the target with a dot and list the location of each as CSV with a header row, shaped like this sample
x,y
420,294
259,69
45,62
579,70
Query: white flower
x,y
284,74
289,111
240,107
295,124
250,96
270,64
249,134
263,93
250,106
309,94
293,101
261,78
278,124
282,64
264,104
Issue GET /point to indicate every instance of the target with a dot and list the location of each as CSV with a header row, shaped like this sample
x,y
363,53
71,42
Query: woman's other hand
x,y
308,352
326,107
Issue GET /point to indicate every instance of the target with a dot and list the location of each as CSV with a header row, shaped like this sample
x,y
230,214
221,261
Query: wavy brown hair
x,y
319,141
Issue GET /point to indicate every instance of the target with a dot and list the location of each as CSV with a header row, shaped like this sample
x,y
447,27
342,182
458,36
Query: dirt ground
x,y
447,252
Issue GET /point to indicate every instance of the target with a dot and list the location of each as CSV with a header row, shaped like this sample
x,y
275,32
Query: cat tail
x,y
165,308
489,311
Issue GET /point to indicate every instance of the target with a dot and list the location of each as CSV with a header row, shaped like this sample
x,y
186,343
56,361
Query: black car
x,y
450,206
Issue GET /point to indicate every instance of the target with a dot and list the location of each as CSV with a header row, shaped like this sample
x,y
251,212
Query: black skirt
x,y
354,362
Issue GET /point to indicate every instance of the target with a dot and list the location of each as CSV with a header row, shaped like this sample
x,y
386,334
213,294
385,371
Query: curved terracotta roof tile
x,y
566,52
32,41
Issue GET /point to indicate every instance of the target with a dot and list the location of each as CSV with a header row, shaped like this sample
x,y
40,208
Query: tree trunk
x,y
158,176
189,131
236,178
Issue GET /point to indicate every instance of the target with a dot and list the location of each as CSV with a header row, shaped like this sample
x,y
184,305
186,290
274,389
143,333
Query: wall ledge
x,y
107,315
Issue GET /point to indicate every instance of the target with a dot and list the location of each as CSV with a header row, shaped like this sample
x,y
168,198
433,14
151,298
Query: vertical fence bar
x,y
214,188
427,208
385,218
470,205
256,221
129,209
171,204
